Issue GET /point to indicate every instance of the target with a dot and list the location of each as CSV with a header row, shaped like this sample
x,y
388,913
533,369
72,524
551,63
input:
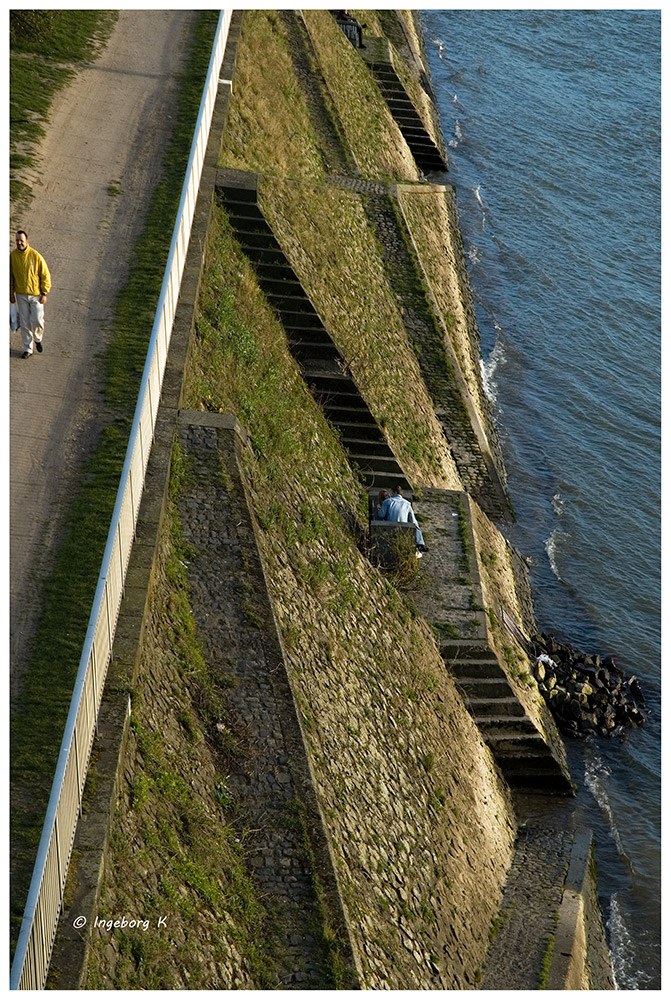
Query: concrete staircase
x,y
519,748
448,594
427,155
323,367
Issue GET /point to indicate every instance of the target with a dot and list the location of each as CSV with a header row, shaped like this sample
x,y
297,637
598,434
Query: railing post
x,y
75,742
94,670
57,842
121,561
109,618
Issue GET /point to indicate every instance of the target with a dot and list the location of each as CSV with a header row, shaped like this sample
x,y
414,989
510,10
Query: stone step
x,y
527,763
540,781
375,463
417,136
305,349
288,301
281,286
349,414
238,195
251,227
378,449
337,399
307,335
397,104
366,432
246,216
384,481
264,255
257,241
275,272
465,670
516,744
499,725
303,319
458,650
327,383
484,687
397,100
492,708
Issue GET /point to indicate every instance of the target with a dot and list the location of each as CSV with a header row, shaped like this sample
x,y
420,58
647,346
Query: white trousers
x,y
31,319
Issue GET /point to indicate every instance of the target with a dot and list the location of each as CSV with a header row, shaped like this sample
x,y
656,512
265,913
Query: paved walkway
x,y
529,909
106,134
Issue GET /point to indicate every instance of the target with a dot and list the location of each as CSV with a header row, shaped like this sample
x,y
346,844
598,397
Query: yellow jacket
x,y
28,273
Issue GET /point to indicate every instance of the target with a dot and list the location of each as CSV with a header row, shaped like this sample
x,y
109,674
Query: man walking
x,y
29,285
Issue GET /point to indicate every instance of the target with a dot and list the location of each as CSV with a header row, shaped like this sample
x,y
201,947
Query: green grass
x,y
44,48
548,955
68,591
497,924
322,231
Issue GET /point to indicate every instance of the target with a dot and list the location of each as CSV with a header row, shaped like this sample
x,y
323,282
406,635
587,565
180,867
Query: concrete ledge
x,y
571,968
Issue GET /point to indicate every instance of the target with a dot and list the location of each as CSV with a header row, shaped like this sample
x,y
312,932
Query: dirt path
x,y
96,170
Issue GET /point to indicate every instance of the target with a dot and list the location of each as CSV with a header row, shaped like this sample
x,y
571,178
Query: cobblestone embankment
x,y
267,774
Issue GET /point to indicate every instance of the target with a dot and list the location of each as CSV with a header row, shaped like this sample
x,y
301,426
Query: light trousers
x,y
31,318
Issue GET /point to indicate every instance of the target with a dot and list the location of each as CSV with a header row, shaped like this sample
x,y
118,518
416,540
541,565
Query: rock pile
x,y
586,693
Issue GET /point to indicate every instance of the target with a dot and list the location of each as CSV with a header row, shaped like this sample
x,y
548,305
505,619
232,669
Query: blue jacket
x,y
397,508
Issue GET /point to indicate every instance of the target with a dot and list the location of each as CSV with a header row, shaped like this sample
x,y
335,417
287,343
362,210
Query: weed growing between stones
x,y
404,569
548,955
497,925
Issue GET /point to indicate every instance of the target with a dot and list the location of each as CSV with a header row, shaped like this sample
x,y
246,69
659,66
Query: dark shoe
x,y
38,346
422,548
363,46
26,354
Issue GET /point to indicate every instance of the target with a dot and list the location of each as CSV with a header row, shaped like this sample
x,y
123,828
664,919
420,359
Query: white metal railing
x,y
45,896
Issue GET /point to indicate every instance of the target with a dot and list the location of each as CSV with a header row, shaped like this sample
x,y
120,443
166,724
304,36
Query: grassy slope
x,y
327,235
43,59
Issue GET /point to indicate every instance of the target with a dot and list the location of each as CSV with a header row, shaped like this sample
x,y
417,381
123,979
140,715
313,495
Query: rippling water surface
x,y
553,123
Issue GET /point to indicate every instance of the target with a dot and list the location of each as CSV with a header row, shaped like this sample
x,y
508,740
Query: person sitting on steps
x,y
397,508
353,29
381,497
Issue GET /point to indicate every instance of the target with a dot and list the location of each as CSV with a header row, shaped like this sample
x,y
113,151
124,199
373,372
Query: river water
x,y
552,119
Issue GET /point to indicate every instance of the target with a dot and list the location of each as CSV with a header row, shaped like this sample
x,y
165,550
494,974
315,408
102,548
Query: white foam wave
x,y
551,545
596,779
474,254
478,198
457,131
489,368
558,504
623,952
